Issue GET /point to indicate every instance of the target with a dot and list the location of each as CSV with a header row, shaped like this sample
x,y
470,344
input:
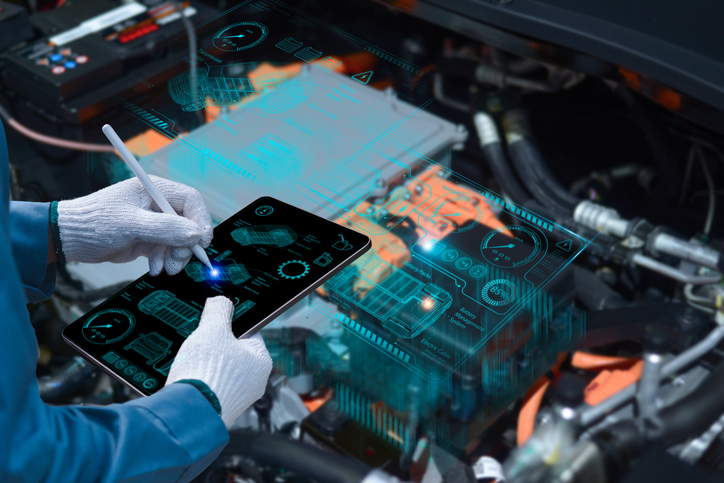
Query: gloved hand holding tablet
x,y
265,258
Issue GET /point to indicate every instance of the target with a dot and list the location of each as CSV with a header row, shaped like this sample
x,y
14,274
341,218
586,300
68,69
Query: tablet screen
x,y
265,258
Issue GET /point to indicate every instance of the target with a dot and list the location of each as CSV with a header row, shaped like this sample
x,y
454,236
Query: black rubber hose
x,y
72,375
498,163
496,158
530,163
532,181
531,158
273,449
695,413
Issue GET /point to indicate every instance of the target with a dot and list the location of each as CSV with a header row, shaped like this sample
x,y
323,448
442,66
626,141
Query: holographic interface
x,y
460,285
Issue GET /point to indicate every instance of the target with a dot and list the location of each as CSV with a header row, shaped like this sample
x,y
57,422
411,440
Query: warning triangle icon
x,y
565,245
363,77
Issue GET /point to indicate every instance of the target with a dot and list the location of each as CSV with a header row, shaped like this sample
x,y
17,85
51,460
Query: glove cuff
x,y
204,389
56,231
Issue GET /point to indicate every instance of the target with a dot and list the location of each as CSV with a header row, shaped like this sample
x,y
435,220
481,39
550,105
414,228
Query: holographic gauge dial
x,y
240,36
503,251
108,326
455,213
499,292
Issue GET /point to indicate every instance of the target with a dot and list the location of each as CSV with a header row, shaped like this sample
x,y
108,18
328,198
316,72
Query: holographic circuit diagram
x,y
274,235
405,305
226,86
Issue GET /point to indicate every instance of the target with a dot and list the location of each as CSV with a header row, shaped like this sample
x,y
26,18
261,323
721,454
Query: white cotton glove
x,y
236,370
122,222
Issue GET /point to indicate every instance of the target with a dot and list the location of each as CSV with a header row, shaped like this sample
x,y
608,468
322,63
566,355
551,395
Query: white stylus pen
x,y
148,184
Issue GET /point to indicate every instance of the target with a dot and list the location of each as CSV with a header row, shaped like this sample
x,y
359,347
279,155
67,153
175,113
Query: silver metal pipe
x,y
686,250
671,272
600,218
592,414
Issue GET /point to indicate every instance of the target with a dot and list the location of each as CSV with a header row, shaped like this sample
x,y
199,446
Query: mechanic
x,y
170,436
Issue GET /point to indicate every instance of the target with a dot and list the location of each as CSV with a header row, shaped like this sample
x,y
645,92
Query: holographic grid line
x,y
381,421
395,60
167,129
363,149
366,44
389,347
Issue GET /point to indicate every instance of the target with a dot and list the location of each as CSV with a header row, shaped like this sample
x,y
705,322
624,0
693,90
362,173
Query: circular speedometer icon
x,y
511,246
240,36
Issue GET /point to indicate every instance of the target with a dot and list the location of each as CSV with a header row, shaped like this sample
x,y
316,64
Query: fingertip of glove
x,y
173,266
155,260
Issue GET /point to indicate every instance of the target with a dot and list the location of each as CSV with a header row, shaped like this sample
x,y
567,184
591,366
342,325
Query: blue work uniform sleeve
x,y
170,436
28,225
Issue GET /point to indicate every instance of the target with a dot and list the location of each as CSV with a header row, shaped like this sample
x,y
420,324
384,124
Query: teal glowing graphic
x,y
323,260
230,273
451,301
328,64
308,54
167,308
449,209
240,36
363,77
502,251
152,346
293,269
109,326
165,367
463,263
405,306
499,292
449,255
275,235
264,210
342,245
478,271
225,86
289,45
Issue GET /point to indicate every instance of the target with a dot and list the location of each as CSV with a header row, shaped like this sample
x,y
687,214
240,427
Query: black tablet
x,y
265,258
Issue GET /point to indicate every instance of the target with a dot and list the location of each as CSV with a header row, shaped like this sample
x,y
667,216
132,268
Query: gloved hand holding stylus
x,y
234,370
122,222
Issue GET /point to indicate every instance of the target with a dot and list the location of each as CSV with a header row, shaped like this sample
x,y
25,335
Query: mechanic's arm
x,y
170,436
29,236
116,224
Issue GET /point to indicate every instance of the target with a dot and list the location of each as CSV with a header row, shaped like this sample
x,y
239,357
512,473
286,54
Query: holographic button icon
x,y
264,210
449,255
363,77
478,271
150,383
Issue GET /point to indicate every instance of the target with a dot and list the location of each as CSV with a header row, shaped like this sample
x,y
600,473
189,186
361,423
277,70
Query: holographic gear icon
x,y
293,262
